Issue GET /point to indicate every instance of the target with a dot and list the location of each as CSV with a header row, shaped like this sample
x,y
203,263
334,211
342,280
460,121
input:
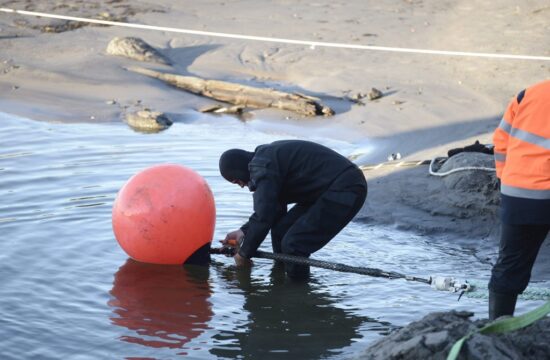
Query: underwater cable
x,y
472,289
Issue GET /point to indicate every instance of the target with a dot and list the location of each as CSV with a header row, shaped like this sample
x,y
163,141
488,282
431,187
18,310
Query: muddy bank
x,y
433,336
462,207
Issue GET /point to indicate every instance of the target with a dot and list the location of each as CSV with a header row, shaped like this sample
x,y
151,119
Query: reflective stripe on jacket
x,y
522,144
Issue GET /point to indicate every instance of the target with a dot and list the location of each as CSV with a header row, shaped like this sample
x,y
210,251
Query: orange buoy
x,y
163,214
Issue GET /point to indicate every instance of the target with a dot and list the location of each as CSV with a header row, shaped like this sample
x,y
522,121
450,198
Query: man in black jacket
x,y
327,189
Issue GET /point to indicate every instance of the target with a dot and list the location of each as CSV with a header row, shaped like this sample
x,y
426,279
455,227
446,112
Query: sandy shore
x,y
430,104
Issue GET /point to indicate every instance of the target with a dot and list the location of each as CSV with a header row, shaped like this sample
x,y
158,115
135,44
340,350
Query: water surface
x,y
69,291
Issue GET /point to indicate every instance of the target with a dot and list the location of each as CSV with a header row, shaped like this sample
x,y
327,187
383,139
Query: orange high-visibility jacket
x,y
522,144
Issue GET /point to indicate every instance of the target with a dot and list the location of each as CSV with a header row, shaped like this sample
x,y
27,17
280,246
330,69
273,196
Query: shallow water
x,y
69,291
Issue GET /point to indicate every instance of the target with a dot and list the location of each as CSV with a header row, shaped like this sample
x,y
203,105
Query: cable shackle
x,y
450,284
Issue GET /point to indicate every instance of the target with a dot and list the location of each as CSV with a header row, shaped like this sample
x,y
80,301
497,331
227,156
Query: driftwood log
x,y
243,95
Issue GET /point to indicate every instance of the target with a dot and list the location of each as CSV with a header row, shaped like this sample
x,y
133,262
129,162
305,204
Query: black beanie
x,y
234,164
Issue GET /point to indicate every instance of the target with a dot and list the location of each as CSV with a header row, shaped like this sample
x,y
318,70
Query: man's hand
x,y
233,239
233,235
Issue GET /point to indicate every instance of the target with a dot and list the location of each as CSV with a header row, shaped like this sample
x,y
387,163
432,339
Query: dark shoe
x,y
501,304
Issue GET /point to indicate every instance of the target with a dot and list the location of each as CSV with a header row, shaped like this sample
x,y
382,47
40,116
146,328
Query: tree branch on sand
x,y
244,95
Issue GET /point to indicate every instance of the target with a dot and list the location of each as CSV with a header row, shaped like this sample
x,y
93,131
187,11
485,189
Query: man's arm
x,y
501,136
266,210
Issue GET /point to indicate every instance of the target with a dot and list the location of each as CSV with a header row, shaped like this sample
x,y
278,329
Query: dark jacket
x,y
287,172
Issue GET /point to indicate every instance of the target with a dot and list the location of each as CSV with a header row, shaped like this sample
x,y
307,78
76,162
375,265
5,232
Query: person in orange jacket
x,y
522,158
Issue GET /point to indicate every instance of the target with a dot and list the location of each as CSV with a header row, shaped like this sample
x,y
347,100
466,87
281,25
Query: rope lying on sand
x,y
452,171
410,163
431,163
311,44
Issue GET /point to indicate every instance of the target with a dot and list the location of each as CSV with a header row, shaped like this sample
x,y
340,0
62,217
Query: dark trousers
x,y
306,228
519,246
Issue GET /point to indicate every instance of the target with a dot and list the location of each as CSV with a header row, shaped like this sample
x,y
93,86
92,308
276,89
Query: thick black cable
x,y
324,264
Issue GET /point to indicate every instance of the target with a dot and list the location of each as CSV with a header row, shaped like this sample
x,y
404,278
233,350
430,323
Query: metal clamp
x,y
449,284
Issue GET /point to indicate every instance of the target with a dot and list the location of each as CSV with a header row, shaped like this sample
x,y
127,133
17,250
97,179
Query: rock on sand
x,y
136,49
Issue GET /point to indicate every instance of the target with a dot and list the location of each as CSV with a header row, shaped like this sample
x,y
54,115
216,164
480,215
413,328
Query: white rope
x,y
465,168
394,164
436,160
311,44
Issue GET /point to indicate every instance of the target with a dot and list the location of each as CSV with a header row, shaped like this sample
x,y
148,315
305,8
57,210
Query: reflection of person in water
x,y
165,305
288,319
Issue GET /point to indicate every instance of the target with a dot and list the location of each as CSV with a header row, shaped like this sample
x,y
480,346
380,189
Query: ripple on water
x,y
68,289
